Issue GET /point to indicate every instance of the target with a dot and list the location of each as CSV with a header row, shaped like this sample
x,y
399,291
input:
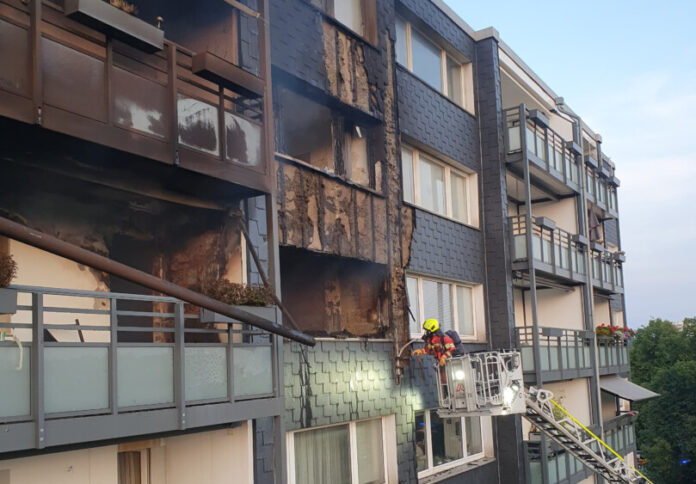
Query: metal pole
x,y
56,246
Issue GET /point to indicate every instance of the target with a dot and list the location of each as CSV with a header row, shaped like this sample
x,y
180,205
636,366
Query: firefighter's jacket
x,y
439,344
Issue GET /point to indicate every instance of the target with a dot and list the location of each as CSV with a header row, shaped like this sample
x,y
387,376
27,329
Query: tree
x,y
663,359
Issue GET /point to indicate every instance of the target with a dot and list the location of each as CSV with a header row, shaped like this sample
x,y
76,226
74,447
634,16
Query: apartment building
x,y
399,166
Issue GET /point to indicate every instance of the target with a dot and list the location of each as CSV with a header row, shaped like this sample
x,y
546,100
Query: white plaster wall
x,y
92,466
574,396
40,268
601,312
561,126
563,212
556,308
217,457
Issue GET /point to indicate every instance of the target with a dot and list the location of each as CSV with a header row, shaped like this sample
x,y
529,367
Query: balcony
x,y
612,355
607,271
182,107
620,433
552,160
564,354
557,254
560,467
600,191
95,366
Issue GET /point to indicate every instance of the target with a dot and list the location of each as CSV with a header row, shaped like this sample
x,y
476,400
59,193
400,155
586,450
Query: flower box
x,y
265,312
8,301
112,21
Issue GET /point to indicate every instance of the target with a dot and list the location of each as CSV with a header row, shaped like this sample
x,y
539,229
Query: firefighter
x,y
437,343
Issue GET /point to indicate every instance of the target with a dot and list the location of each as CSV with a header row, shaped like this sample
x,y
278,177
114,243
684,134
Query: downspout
x,y
588,290
56,246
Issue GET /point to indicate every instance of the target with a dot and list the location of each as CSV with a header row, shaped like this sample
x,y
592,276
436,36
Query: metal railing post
x,y
179,368
113,356
37,370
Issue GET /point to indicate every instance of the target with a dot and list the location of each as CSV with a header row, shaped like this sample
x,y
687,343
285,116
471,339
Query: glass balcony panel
x,y
527,358
581,263
602,356
586,359
621,443
563,258
546,254
531,143
554,357
613,357
572,357
564,358
520,247
252,370
535,472
514,139
205,369
139,103
145,375
553,471
631,434
243,140
76,378
198,125
562,467
574,260
541,145
16,384
545,357
558,160
536,247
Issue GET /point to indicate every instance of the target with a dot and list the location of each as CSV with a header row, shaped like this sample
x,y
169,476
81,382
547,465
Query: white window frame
x,y
471,181
466,74
387,430
477,303
431,470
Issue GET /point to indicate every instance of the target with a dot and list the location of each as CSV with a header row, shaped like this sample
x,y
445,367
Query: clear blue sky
x,y
629,69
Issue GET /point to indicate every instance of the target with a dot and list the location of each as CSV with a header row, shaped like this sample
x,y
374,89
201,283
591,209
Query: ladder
x,y
559,425
490,383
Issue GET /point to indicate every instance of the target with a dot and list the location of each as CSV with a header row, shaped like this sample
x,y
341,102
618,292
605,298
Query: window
x,y
433,65
360,16
443,443
455,306
353,453
134,467
439,188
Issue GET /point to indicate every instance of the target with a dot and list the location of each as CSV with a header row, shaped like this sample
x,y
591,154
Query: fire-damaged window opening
x,y
360,16
326,139
334,296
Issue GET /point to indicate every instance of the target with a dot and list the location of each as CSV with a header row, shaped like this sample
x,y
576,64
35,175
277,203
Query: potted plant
x,y
118,19
253,298
8,297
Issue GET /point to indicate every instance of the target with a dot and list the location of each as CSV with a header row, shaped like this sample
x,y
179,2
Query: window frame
x,y
432,470
465,70
368,14
353,443
471,182
478,310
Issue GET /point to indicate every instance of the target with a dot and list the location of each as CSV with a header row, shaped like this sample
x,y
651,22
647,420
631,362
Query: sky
x,y
628,68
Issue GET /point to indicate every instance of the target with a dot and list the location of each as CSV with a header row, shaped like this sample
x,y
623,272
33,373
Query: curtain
x,y
323,456
129,467
370,452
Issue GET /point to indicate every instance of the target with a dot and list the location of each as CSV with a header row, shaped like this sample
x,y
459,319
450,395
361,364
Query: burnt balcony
x,y
557,254
600,190
564,354
620,433
87,70
607,270
93,366
552,160
612,355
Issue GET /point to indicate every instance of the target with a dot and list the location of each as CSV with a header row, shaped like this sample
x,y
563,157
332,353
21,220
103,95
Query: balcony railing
x,y
547,151
607,272
557,466
73,79
97,365
620,433
555,251
601,192
564,354
613,356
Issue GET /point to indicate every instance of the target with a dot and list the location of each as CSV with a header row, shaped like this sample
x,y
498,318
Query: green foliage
x,y
663,359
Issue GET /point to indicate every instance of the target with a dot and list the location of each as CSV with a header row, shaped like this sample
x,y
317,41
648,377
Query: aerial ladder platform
x,y
490,383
